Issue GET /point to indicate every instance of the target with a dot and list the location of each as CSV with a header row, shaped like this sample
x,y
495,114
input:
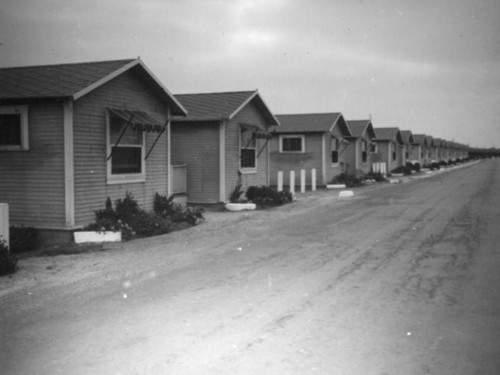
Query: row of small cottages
x,y
72,135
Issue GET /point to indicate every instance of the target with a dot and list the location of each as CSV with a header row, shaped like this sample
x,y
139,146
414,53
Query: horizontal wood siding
x,y
197,145
32,182
286,162
415,153
382,154
249,115
91,189
351,155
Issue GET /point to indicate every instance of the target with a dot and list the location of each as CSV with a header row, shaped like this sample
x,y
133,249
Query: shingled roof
x,y
419,139
407,136
221,106
358,127
312,123
388,134
74,80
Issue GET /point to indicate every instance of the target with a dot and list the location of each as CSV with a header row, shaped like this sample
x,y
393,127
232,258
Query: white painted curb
x,y
346,193
240,206
84,237
335,186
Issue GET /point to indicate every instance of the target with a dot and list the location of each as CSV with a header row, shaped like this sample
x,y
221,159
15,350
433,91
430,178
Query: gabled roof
x,y
419,139
388,134
407,136
429,140
75,80
358,127
312,123
439,142
221,106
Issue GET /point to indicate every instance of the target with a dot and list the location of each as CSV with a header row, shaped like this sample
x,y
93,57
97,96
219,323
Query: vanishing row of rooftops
x,y
77,79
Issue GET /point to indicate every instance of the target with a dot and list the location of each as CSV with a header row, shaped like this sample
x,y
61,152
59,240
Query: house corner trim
x,y
222,162
69,171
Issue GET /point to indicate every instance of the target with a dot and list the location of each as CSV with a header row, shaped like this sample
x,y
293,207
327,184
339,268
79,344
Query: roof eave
x,y
176,106
272,120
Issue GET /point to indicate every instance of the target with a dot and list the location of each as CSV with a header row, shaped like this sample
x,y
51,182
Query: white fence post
x,y
313,179
280,180
4,223
292,182
302,180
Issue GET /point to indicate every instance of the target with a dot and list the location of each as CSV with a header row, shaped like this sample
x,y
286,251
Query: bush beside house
x,y
8,262
133,221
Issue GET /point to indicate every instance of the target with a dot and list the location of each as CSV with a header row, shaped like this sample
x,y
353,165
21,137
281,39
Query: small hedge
x,y
169,209
264,196
402,169
348,180
8,262
376,176
131,220
23,239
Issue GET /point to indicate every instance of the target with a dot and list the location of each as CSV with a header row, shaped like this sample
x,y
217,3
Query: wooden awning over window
x,y
139,120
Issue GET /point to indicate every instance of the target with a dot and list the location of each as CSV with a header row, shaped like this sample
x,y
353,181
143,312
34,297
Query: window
x,y
14,128
248,147
126,147
364,154
334,148
292,143
373,148
393,152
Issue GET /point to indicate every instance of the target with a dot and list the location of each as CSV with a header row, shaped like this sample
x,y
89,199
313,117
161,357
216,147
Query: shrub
x,y
146,224
376,176
348,180
8,262
434,165
106,224
23,239
131,220
128,208
265,196
236,194
193,215
166,207
413,166
402,169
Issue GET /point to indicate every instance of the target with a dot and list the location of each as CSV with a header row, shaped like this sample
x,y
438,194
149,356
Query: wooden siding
x,y
289,161
252,116
415,154
383,155
32,182
353,157
197,146
91,188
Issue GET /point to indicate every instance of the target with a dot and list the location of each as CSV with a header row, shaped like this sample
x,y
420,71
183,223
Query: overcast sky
x,y
429,66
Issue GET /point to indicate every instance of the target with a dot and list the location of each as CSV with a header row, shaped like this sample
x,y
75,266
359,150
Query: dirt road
x,y
400,279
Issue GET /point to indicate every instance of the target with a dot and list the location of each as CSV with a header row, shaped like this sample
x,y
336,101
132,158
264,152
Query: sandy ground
x,y
399,279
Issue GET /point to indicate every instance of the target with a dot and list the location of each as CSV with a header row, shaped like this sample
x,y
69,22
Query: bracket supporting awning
x,y
138,120
345,143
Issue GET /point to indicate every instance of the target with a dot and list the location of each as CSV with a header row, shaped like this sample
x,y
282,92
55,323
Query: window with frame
x,y
126,147
248,147
393,152
373,148
14,128
364,153
334,150
292,143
